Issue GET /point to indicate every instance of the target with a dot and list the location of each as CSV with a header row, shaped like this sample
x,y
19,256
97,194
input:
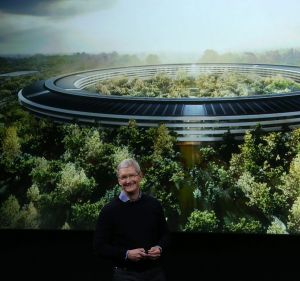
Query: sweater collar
x,y
124,198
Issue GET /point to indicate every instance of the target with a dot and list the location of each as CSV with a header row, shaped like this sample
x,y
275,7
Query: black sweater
x,y
129,225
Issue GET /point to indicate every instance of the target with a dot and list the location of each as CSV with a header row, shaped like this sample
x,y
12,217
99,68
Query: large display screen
x,y
205,95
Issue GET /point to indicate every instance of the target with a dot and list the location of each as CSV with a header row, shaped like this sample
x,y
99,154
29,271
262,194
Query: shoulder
x,y
111,206
151,200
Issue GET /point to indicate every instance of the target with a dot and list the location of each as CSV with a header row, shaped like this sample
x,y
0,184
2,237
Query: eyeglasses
x,y
130,177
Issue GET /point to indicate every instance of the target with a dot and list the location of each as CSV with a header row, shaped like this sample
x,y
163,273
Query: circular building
x,y
66,99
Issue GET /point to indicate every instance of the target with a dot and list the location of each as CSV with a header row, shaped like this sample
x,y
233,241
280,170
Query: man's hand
x,y
154,253
136,254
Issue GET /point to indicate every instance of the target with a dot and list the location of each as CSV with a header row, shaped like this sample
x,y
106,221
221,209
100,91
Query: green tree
x,y
11,147
33,193
294,217
40,137
162,174
290,185
92,146
203,221
29,217
163,143
171,207
228,147
244,225
277,227
74,185
120,154
74,138
294,142
45,173
10,213
214,183
257,193
84,216
130,136
252,152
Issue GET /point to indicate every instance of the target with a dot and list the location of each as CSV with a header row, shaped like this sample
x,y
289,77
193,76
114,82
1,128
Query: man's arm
x,y
164,232
103,236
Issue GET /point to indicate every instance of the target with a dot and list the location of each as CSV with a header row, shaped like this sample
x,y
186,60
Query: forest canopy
x,y
59,176
227,84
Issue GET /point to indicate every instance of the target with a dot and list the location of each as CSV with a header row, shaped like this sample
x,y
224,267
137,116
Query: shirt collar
x,y
124,198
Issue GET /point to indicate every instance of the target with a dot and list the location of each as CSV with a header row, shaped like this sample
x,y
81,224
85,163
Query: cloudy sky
x,y
147,26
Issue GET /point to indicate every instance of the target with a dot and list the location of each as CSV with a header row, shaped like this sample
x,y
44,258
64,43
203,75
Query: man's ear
x,y
119,182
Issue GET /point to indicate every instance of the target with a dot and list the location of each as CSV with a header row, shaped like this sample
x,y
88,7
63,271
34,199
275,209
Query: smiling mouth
x,y
130,185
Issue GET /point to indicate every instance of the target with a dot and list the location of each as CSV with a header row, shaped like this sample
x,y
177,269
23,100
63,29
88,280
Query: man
x,y
132,230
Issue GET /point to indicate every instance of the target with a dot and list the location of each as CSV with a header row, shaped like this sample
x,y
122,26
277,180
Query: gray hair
x,y
129,163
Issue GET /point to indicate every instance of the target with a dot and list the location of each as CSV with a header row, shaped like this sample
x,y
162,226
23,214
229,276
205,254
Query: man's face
x,y
129,180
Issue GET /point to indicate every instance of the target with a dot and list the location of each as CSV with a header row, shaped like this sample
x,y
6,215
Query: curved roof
x,y
64,98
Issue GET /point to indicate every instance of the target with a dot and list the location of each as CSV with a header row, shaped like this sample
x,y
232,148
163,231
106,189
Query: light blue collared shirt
x,y
124,198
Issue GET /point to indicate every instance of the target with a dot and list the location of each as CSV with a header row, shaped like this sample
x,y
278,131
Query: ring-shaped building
x,y
66,99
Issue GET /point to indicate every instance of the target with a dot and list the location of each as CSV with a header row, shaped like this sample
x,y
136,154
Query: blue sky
x,y
144,26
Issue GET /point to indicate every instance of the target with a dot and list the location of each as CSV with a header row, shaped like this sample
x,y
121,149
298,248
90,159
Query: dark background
x,y
57,255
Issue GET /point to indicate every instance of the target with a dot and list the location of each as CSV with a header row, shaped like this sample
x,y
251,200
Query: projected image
x,y
212,116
